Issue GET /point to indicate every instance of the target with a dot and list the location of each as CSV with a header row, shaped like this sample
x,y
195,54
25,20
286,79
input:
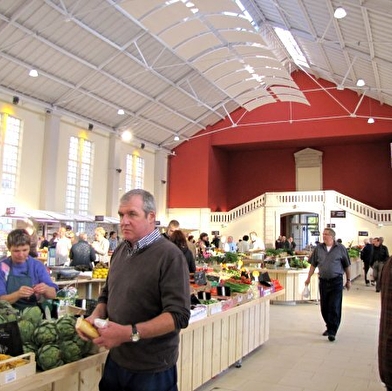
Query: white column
x,y
161,185
49,161
114,176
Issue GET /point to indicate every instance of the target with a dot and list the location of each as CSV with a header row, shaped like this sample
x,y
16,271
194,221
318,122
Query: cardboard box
x,y
19,372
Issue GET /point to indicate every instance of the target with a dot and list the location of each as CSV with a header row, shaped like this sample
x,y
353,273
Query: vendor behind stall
x,y
24,281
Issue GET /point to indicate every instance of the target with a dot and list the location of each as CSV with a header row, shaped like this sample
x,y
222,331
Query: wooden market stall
x,y
207,347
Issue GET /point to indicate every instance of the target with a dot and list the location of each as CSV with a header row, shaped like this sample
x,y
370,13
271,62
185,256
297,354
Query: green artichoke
x,y
70,351
26,329
65,327
45,333
49,356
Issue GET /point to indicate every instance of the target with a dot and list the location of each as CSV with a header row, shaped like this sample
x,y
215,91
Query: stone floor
x,y
298,358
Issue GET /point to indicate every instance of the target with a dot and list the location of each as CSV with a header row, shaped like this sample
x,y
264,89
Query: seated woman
x,y
24,281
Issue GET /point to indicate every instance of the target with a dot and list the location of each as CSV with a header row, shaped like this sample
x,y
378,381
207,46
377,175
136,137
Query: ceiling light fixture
x,y
126,136
33,73
176,138
370,120
120,112
340,13
360,83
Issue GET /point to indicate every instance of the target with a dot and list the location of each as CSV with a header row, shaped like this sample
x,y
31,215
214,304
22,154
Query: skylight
x,y
292,47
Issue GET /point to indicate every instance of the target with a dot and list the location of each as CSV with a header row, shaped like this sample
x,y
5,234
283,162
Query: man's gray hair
x,y
148,199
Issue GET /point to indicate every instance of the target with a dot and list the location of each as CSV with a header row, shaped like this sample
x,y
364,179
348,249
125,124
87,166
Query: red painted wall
x,y
217,171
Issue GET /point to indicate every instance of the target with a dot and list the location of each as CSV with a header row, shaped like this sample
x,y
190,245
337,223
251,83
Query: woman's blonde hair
x,y
100,230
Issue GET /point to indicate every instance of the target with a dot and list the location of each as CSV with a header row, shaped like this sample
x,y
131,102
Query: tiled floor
x,y
298,358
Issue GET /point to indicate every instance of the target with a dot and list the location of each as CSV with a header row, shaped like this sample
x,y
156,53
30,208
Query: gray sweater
x,y
140,287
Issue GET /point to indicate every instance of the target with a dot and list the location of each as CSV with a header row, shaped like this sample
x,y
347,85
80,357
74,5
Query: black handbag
x,y
264,279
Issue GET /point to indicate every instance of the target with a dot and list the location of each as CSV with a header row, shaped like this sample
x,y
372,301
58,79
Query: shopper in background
x,y
256,244
230,245
43,243
366,254
179,239
333,261
216,241
147,301
292,245
28,225
24,281
54,239
203,244
191,242
113,241
243,245
82,254
173,226
385,332
380,254
101,245
63,246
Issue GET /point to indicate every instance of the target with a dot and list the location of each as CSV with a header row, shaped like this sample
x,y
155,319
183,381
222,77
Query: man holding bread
x,y
146,301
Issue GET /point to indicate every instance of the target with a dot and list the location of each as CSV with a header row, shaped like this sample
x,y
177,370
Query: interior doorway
x,y
302,227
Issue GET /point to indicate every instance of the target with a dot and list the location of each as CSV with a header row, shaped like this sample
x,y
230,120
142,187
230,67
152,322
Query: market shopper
x,y
256,243
147,301
366,254
385,332
63,246
82,254
379,256
113,241
173,226
179,239
101,245
333,261
24,281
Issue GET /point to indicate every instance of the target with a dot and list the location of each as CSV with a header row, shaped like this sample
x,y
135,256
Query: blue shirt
x,y
35,269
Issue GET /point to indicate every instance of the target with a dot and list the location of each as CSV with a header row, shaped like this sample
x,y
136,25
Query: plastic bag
x,y
306,292
369,275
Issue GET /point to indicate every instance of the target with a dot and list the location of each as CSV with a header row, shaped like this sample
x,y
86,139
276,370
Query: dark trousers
x,y
377,270
116,378
331,295
366,267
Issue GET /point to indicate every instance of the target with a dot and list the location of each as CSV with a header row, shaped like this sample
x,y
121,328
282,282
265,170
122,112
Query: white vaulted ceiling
x,y
175,70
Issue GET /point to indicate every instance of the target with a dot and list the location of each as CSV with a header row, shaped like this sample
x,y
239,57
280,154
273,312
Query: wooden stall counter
x,y
207,347
82,375
211,345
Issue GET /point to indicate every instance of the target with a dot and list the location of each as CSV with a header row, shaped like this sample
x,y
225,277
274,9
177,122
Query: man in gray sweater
x,y
147,301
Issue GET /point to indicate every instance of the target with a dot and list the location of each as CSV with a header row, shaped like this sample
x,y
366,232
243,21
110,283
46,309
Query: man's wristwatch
x,y
348,280
135,336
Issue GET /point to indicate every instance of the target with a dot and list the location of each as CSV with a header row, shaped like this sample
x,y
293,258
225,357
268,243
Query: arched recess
x,y
309,168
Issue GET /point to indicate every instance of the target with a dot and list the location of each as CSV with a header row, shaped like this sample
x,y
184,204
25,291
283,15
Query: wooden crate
x,y
19,372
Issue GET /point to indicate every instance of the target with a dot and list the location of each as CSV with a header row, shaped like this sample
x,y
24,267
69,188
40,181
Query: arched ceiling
x,y
176,67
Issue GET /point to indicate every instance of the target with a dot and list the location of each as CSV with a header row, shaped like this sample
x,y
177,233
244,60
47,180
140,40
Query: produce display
x,y
101,270
54,341
299,263
5,366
